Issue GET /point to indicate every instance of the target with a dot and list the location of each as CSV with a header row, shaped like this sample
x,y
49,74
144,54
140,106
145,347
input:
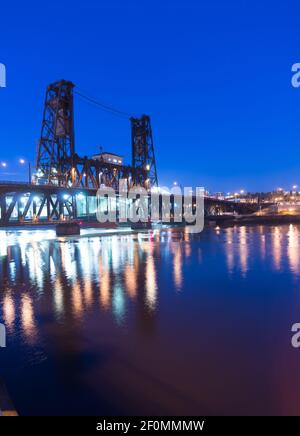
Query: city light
x,y
80,196
22,161
4,164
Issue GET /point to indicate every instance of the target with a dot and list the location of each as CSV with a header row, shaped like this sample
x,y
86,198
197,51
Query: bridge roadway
x,y
22,203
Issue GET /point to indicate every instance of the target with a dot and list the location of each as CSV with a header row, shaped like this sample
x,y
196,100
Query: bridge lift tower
x,y
56,145
143,157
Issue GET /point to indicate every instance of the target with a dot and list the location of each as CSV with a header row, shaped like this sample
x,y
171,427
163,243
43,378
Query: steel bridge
x,y
65,184
24,203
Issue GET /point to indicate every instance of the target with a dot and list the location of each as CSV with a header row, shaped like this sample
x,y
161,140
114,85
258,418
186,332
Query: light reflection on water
x,y
161,290
75,270
84,262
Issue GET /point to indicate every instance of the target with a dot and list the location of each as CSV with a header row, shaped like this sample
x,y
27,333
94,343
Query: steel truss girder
x,y
20,207
92,174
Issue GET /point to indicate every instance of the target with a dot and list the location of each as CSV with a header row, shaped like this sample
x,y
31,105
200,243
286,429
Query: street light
x,y
179,185
22,162
4,164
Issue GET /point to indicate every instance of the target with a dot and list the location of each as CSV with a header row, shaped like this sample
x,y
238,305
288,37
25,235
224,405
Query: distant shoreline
x,y
94,228
254,219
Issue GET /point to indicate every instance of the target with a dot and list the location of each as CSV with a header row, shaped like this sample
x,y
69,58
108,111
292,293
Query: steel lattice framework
x,y
56,146
59,165
91,173
143,157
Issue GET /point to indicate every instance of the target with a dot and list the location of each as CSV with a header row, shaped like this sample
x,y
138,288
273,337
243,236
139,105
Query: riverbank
x,y
253,219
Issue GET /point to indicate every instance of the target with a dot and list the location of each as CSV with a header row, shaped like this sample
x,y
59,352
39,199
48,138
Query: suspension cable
x,y
103,106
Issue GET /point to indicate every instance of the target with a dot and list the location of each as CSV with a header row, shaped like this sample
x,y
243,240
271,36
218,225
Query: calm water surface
x,y
154,323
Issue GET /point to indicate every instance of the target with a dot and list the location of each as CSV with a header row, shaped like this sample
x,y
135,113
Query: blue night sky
x,y
214,76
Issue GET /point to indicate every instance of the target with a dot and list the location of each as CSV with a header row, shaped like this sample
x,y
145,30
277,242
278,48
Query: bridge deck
x,y
29,203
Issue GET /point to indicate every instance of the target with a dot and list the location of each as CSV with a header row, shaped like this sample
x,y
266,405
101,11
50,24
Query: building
x,y
109,158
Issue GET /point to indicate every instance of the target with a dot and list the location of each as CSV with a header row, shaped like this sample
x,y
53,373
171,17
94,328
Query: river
x,y
158,323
